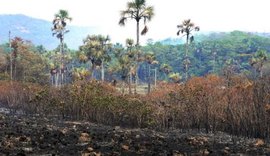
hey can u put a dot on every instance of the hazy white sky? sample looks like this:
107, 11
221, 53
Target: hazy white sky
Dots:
210, 15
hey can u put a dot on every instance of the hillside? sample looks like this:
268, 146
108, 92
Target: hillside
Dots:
39, 31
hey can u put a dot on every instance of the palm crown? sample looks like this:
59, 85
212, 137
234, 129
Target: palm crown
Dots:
186, 28
59, 24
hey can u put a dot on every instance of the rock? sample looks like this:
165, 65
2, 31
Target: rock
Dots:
225, 152
204, 152
27, 149
117, 127
259, 142
227, 148
90, 149
91, 154
125, 147
177, 153
84, 137
23, 139
195, 141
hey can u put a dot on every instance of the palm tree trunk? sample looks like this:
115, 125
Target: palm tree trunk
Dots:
15, 69
10, 56
138, 34
102, 71
57, 79
11, 67
155, 77
149, 83
186, 55
137, 48
92, 70
129, 82
62, 57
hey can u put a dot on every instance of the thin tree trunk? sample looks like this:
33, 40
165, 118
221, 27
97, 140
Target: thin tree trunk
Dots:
130, 82
57, 79
186, 58
52, 79
138, 34
92, 70
123, 87
137, 64
102, 71
15, 69
62, 57
149, 83
11, 63
261, 71
155, 77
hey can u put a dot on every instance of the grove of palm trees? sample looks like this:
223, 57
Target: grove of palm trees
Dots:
208, 94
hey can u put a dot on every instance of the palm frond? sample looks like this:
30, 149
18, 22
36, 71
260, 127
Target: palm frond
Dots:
131, 5
54, 20
180, 26
59, 35
63, 23
140, 3
191, 25
122, 21
178, 33
145, 30
191, 39
69, 18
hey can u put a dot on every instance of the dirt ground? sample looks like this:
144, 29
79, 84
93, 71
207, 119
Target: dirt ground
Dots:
38, 136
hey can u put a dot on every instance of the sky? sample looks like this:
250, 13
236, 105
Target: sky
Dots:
210, 15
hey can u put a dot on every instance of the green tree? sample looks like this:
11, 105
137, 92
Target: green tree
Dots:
59, 30
166, 69
175, 77
186, 28
258, 60
27, 65
96, 48
150, 59
124, 63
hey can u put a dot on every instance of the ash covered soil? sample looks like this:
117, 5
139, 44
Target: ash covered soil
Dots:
25, 135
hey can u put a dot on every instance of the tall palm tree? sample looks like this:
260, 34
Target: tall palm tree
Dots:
59, 30
137, 10
186, 28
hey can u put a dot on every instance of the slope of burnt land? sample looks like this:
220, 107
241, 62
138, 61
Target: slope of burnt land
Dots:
33, 135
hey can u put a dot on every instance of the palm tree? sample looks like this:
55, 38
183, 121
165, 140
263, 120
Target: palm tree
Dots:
166, 69
175, 77
150, 59
59, 29
96, 48
138, 11
186, 28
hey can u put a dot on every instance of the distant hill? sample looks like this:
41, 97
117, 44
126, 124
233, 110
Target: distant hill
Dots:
182, 40
208, 36
39, 31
